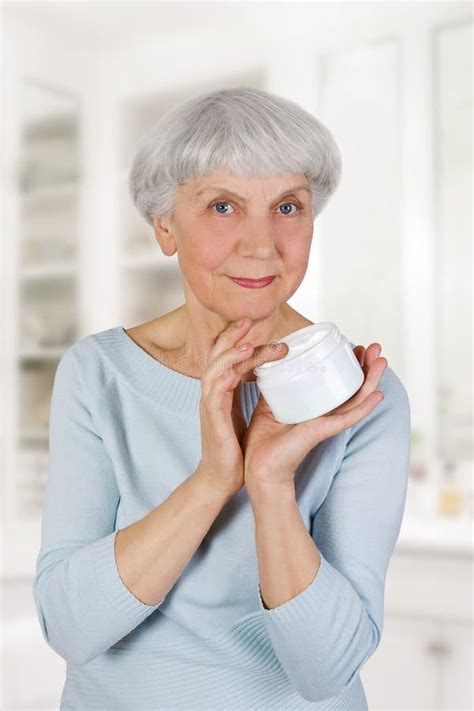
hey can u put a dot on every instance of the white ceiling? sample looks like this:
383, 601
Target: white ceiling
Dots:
107, 25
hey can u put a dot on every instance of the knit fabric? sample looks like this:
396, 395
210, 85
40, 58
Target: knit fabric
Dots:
124, 432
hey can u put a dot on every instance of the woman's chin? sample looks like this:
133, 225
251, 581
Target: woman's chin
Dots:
256, 312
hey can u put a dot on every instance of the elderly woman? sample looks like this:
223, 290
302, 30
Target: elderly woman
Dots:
196, 553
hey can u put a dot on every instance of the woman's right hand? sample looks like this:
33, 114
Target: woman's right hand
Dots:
222, 422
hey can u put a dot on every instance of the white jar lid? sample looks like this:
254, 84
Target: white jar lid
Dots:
320, 338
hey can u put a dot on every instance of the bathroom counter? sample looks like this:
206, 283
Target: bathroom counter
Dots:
437, 535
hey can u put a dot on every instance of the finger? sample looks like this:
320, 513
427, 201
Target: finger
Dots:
373, 376
373, 360
230, 336
330, 425
222, 397
216, 404
262, 354
365, 356
356, 413
359, 352
224, 362
372, 352
244, 361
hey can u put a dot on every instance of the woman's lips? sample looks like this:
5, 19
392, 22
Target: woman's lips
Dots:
253, 283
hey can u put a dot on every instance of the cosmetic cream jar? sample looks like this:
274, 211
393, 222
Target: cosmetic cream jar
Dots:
319, 372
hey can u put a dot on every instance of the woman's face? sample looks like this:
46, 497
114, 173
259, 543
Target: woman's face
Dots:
227, 226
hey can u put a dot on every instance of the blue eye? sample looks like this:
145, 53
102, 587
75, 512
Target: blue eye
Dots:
221, 202
289, 203
224, 202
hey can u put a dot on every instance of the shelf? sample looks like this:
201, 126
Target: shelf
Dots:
29, 434
46, 271
60, 189
149, 260
43, 353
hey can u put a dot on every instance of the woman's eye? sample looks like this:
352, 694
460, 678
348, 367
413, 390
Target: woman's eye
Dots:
221, 202
285, 204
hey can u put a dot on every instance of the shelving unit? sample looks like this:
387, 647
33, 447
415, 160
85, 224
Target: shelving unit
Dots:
48, 188
151, 281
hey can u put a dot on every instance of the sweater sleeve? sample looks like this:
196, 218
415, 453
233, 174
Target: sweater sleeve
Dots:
325, 634
82, 604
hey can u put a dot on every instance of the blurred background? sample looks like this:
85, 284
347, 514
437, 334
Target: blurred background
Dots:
391, 262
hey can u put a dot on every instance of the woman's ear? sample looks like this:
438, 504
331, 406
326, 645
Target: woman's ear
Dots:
164, 236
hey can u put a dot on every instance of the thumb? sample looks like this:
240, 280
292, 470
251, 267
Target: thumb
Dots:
262, 407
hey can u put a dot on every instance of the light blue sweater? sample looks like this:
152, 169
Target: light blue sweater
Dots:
124, 433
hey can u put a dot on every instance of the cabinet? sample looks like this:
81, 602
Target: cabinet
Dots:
424, 660
425, 657
421, 664
403, 673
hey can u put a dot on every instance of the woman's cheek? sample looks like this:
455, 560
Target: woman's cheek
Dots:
212, 256
207, 257
296, 255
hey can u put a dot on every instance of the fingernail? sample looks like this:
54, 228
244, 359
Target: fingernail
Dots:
239, 323
276, 346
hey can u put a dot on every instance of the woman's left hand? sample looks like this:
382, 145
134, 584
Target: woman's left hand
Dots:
272, 450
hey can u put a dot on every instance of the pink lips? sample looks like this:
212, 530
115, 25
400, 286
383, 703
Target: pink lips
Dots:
253, 283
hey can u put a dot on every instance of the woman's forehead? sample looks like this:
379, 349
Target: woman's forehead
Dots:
244, 187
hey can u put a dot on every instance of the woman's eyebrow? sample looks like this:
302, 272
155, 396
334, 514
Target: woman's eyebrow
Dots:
212, 188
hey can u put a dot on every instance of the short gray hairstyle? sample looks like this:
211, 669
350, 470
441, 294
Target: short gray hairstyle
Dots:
243, 130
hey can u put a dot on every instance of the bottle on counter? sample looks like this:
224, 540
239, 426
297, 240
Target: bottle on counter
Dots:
421, 495
450, 498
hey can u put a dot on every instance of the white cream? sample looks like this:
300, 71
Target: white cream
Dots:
319, 373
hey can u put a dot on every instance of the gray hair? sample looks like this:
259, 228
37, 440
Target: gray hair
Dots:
246, 131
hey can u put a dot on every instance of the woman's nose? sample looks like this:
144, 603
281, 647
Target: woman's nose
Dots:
258, 237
